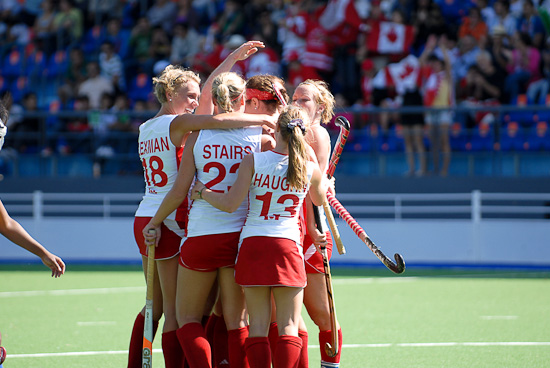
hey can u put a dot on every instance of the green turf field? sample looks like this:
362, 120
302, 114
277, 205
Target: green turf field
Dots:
423, 318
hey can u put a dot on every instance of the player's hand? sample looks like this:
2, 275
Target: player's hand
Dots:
54, 263
247, 49
196, 190
149, 237
331, 184
319, 239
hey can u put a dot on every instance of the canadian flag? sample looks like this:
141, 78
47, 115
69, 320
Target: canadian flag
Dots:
404, 76
390, 38
338, 13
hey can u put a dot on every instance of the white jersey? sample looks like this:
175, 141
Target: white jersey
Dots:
160, 160
218, 154
274, 207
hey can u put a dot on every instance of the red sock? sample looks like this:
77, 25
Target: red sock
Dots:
235, 343
171, 349
209, 330
324, 337
288, 351
304, 359
273, 336
195, 346
220, 350
136, 341
257, 352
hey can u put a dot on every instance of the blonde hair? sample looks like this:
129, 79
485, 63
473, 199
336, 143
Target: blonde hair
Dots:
323, 97
293, 122
227, 90
172, 78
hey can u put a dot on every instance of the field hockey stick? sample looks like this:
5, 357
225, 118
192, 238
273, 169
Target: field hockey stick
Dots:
330, 349
344, 125
397, 267
147, 349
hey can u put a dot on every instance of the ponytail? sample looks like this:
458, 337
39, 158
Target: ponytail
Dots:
292, 123
227, 91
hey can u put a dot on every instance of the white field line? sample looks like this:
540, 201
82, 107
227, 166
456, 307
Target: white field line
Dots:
95, 291
97, 323
502, 318
345, 346
135, 289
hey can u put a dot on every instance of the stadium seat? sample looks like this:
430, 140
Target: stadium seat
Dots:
141, 87
58, 64
3, 84
482, 138
538, 137
93, 39
12, 66
524, 118
393, 141
512, 138
35, 64
19, 88
458, 137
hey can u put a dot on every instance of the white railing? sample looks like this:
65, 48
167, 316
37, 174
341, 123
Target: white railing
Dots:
475, 205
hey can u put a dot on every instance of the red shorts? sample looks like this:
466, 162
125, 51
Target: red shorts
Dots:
169, 244
313, 259
209, 252
268, 261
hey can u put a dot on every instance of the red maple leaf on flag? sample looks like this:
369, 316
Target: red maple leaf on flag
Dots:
392, 35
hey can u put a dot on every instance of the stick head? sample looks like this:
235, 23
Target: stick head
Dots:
278, 95
342, 122
331, 352
400, 264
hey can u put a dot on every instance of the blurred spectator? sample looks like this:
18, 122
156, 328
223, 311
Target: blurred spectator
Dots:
76, 141
264, 62
68, 24
531, 23
43, 28
438, 93
95, 85
290, 30
118, 36
368, 71
502, 18
427, 20
454, 10
28, 125
184, 45
162, 14
111, 66
484, 80
140, 40
161, 47
523, 65
474, 26
232, 19
187, 15
76, 71
100, 10
466, 57
538, 90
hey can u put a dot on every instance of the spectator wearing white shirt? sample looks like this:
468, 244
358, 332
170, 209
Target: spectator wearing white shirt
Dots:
95, 85
111, 65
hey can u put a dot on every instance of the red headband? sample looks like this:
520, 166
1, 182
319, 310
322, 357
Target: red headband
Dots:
260, 95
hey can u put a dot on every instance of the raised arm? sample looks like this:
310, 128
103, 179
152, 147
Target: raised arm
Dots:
186, 122
12, 230
177, 193
242, 53
230, 200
